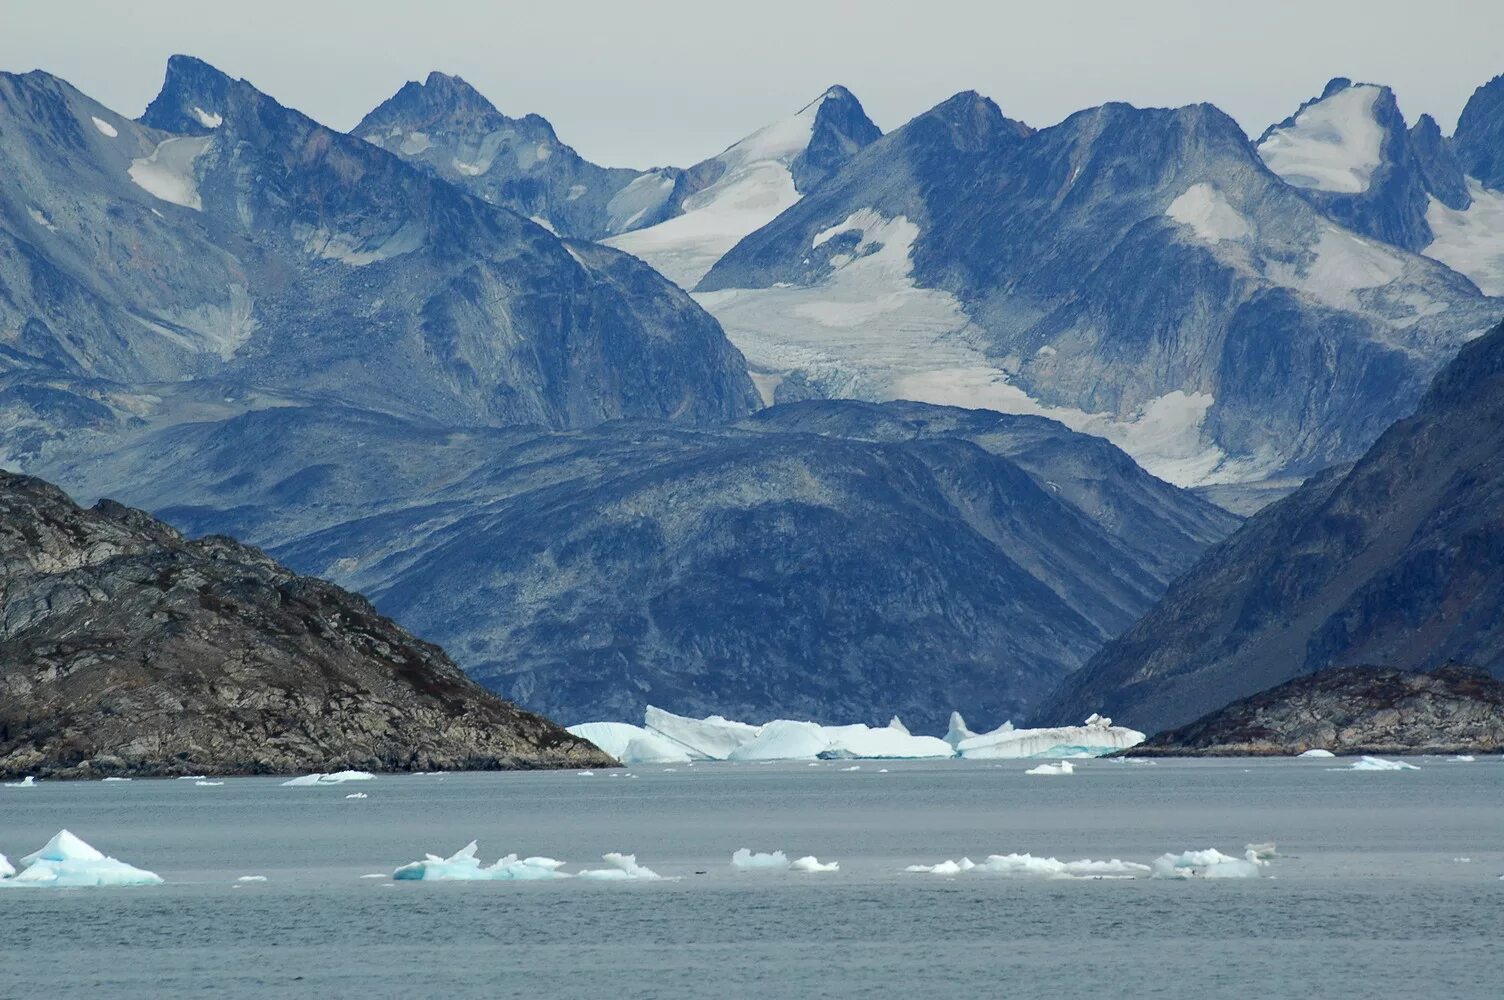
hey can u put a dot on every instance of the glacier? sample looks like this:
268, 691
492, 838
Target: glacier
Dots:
66, 861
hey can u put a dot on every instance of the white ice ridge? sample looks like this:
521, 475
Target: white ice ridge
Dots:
27, 782
1063, 767
168, 172
1097, 736
1028, 866
1316, 752
463, 865
67, 862
1376, 764
1210, 863
337, 778
1332, 145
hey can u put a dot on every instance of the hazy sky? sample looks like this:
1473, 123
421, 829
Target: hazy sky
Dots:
671, 81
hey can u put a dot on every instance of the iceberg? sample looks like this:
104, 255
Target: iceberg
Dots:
251, 878
337, 778
623, 867
1376, 764
208, 784
1316, 752
1028, 866
27, 782
1259, 852
114, 779
6, 868
957, 732
812, 864
357, 795
1095, 737
711, 738
630, 744
1063, 767
464, 866
67, 862
786, 739
1209, 863
745, 858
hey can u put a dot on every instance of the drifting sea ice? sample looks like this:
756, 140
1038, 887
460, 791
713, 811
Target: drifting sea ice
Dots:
1097, 736
463, 865
1063, 767
1209, 863
745, 858
623, 867
337, 778
251, 878
1316, 752
1376, 764
812, 864
27, 782
208, 784
357, 795
67, 862
1028, 866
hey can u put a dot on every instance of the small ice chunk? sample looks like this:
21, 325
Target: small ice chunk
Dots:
463, 865
65, 861
192, 777
1316, 752
114, 779
1209, 863
337, 778
251, 878
1063, 767
105, 128
745, 858
1260, 852
375, 875
853, 767
584, 774
357, 795
27, 782
1462, 758
944, 867
812, 864
623, 867
1377, 764
208, 784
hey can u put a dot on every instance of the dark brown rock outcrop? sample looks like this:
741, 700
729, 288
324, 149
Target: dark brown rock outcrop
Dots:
1350, 710
127, 649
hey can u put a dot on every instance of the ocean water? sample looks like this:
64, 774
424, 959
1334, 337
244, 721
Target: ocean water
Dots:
1366, 900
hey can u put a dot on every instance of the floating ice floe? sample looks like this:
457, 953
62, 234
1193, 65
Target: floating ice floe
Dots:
746, 858
1063, 767
711, 738
67, 862
1028, 866
623, 867
27, 782
251, 878
584, 774
630, 744
1209, 863
114, 779
192, 777
1462, 758
337, 778
463, 865
357, 795
1096, 737
1376, 764
208, 784
1259, 852
1316, 752
812, 864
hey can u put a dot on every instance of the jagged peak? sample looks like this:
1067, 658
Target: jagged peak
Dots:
193, 99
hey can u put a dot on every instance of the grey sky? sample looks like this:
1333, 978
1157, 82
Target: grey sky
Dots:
672, 81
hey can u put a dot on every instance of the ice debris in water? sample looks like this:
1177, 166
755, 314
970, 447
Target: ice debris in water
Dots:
208, 784
812, 864
1063, 767
251, 878
357, 795
337, 778
1261, 852
1462, 758
584, 774
1376, 764
1028, 866
463, 865
67, 862
745, 858
623, 867
27, 782
853, 767
1209, 863
114, 779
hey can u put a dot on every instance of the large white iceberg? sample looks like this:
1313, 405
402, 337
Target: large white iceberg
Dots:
711, 738
786, 739
337, 778
630, 744
1097, 736
1028, 866
1210, 863
6, 868
813, 864
623, 867
463, 865
67, 862
746, 858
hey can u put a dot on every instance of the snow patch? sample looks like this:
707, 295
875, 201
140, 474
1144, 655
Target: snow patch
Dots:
1204, 208
167, 174
1332, 145
105, 128
41, 219
207, 119
414, 143
359, 251
1471, 241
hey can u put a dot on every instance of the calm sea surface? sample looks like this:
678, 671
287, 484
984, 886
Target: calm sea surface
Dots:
1367, 900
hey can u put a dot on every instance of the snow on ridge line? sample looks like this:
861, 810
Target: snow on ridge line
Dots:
1333, 145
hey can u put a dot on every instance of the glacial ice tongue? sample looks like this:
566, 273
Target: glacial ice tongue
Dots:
745, 858
1210, 863
623, 867
65, 861
630, 744
1097, 736
337, 778
463, 865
